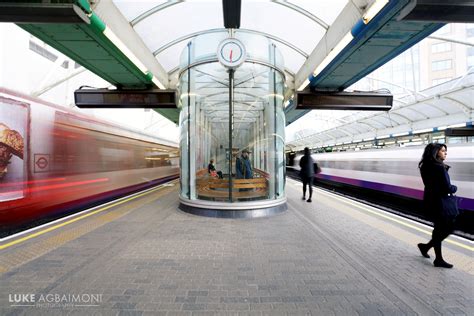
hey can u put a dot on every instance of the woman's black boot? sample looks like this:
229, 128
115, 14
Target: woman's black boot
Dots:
424, 250
439, 261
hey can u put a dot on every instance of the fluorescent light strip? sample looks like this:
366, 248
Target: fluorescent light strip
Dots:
400, 134
333, 53
426, 130
278, 96
124, 49
158, 83
367, 17
457, 125
130, 55
303, 85
374, 10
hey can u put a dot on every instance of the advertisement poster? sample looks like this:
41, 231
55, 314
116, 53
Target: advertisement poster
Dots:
13, 131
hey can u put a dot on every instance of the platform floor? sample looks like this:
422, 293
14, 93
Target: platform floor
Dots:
145, 257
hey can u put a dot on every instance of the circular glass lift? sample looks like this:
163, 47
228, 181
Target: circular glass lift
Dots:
233, 116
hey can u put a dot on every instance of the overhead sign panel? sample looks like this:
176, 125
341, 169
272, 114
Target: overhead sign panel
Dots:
41, 12
453, 11
460, 132
356, 101
103, 98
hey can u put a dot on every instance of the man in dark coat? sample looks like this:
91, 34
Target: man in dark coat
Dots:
307, 173
243, 166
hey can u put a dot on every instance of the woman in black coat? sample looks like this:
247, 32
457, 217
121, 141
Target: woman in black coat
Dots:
307, 173
437, 185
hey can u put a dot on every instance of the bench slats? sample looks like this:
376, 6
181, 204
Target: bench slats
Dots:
237, 185
210, 187
225, 194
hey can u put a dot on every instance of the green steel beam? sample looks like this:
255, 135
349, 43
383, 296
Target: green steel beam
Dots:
83, 41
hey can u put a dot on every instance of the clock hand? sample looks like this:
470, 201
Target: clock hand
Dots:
231, 55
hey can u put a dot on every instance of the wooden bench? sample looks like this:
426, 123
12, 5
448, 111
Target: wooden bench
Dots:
218, 189
261, 173
201, 173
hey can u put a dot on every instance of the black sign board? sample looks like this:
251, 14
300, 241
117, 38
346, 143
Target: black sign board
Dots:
356, 101
459, 132
103, 98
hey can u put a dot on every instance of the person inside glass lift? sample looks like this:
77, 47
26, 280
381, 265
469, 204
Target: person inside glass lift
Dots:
243, 166
211, 169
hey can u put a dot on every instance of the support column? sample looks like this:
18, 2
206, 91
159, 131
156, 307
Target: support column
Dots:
231, 127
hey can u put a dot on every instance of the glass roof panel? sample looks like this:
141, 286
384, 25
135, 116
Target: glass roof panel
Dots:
167, 58
325, 10
281, 20
179, 20
132, 9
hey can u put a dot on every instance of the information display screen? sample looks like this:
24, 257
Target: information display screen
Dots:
344, 101
102, 98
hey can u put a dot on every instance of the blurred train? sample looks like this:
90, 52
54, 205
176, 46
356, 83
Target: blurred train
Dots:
54, 161
391, 176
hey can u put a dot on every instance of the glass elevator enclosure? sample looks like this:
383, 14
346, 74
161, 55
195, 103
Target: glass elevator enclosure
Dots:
234, 118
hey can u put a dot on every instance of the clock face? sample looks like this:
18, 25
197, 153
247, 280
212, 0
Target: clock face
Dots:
231, 53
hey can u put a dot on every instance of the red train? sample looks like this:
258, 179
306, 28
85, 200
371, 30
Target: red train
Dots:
54, 161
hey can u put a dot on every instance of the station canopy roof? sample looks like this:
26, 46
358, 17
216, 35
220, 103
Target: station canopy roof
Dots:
436, 108
296, 28
166, 27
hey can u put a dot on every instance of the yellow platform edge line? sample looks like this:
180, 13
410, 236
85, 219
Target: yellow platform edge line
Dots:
44, 231
361, 207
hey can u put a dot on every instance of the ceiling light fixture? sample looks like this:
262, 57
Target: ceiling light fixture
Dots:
333, 53
374, 10
366, 18
130, 55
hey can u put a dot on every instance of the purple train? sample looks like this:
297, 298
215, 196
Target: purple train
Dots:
395, 171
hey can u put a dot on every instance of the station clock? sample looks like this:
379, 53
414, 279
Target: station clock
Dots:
231, 53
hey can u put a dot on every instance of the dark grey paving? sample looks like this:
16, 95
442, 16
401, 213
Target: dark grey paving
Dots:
310, 260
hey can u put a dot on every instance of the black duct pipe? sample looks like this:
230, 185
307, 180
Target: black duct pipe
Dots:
231, 10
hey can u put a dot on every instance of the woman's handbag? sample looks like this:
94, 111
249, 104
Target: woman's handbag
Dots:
450, 206
318, 168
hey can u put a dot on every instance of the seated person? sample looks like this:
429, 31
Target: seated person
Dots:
212, 170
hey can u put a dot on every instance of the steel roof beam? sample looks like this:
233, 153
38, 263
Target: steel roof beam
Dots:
405, 119
267, 35
459, 104
154, 10
302, 11
115, 20
452, 40
411, 91
339, 28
